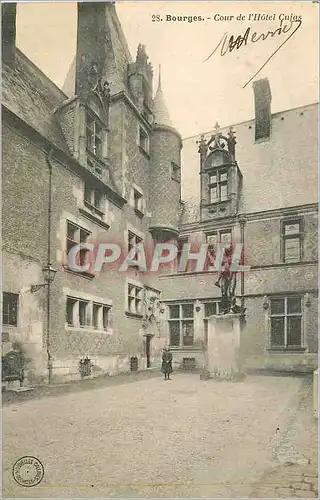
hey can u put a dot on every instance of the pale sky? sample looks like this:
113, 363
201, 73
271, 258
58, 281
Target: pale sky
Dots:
197, 93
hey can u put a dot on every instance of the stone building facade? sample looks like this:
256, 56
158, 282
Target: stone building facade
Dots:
101, 162
265, 198
78, 168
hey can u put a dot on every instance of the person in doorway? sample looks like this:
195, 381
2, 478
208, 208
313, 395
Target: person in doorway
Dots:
166, 367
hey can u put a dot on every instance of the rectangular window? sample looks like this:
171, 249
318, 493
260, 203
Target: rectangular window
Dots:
95, 169
105, 317
211, 309
10, 309
219, 236
292, 241
94, 136
137, 201
181, 325
143, 140
96, 308
133, 240
175, 172
75, 236
100, 316
86, 314
135, 296
84, 318
94, 199
174, 331
218, 186
286, 322
71, 314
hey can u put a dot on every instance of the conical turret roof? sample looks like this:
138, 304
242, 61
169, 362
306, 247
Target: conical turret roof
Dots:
160, 111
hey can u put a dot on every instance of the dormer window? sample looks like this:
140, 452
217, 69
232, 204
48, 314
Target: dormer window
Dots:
94, 134
218, 186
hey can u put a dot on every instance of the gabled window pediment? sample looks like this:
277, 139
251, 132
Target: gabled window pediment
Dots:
218, 158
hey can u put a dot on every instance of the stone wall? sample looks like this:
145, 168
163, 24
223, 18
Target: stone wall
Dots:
25, 224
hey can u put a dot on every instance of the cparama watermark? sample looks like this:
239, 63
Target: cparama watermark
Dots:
90, 257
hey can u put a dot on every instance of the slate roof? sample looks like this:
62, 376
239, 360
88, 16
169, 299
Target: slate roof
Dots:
160, 111
33, 97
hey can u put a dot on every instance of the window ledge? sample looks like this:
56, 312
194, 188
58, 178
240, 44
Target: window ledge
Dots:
215, 203
96, 158
265, 138
186, 348
93, 218
87, 330
94, 208
133, 315
145, 153
83, 274
286, 349
138, 213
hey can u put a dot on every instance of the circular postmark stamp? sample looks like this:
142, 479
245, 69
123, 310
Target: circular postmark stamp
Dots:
28, 471
309, 275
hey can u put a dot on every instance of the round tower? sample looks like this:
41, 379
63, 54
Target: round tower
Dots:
165, 173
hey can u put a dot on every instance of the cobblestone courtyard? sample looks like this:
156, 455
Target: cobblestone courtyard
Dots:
181, 438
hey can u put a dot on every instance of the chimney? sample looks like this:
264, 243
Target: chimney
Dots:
262, 104
8, 14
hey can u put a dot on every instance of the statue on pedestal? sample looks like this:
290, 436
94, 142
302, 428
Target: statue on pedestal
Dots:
227, 282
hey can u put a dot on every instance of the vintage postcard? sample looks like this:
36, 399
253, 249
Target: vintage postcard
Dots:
159, 249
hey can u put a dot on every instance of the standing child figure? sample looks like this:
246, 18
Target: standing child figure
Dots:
166, 367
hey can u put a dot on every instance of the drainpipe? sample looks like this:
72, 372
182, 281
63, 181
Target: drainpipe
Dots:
49, 157
242, 222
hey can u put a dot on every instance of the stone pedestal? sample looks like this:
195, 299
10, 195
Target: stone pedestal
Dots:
223, 351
